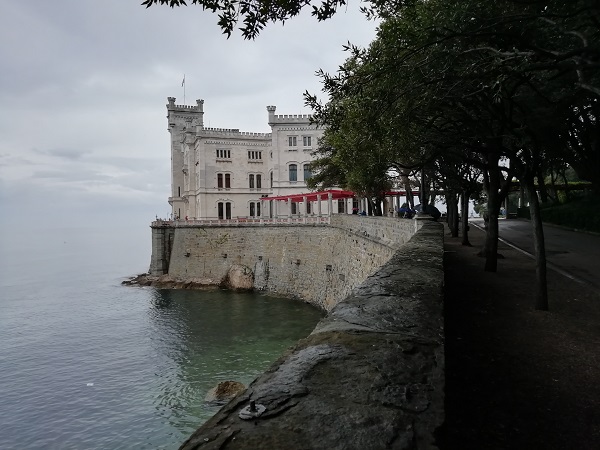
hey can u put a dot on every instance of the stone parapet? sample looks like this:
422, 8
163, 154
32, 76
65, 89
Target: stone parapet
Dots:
370, 376
391, 232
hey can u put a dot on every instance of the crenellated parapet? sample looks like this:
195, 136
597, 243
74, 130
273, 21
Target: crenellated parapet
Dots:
179, 114
230, 133
293, 117
287, 119
198, 107
222, 130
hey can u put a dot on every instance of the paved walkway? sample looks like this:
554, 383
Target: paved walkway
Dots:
574, 254
517, 378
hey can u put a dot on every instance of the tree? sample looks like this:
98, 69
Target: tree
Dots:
463, 79
255, 14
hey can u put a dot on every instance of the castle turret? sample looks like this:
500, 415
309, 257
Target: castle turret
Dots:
271, 110
200, 116
182, 119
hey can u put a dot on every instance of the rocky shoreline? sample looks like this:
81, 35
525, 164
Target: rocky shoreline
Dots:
238, 278
168, 282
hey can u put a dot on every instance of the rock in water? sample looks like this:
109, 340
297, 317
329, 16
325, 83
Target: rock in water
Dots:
224, 391
239, 277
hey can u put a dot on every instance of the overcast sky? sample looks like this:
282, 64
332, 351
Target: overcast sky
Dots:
83, 88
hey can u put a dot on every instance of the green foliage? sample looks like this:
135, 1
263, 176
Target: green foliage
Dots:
255, 14
455, 84
583, 213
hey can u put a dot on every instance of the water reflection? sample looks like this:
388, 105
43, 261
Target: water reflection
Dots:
200, 338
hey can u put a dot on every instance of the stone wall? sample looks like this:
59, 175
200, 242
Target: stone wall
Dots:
320, 264
162, 243
370, 376
387, 231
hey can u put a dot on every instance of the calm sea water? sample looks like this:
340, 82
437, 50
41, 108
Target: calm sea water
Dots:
86, 363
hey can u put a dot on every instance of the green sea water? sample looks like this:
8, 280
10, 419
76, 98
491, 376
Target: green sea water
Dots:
86, 363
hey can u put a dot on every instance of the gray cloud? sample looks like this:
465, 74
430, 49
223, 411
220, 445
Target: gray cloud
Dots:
83, 89
68, 153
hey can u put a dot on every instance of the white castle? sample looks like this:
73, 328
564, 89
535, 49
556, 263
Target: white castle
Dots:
220, 173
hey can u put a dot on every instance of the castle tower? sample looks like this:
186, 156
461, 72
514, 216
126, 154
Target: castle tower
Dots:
180, 118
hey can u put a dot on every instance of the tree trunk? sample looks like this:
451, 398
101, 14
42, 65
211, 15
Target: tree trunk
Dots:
541, 294
464, 211
377, 207
491, 236
542, 186
409, 195
566, 183
490, 250
452, 214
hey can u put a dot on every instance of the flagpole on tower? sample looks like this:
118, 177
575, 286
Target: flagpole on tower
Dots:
183, 85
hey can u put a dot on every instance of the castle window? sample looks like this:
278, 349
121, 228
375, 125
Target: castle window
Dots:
254, 209
271, 175
307, 172
294, 208
258, 181
254, 155
306, 141
251, 181
292, 141
293, 169
224, 210
223, 180
223, 154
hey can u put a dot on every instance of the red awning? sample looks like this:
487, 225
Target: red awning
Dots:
312, 196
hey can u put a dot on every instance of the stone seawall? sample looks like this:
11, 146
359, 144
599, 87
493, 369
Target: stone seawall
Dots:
370, 376
320, 264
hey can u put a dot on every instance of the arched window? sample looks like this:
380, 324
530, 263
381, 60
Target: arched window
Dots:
254, 209
226, 177
251, 181
224, 210
307, 172
258, 181
293, 172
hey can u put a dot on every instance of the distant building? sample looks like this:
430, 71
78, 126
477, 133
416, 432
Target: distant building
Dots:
221, 173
